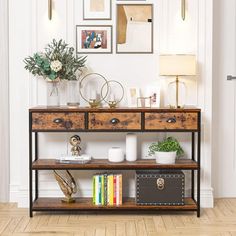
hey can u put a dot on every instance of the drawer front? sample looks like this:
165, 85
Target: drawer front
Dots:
58, 121
171, 121
112, 121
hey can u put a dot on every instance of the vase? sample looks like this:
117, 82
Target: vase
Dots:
53, 94
73, 93
131, 147
116, 154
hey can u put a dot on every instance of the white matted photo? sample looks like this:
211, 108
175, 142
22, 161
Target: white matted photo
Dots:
154, 93
93, 39
97, 10
133, 93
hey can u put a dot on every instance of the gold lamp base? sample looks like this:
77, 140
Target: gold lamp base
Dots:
179, 89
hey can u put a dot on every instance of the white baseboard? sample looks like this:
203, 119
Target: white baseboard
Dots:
21, 195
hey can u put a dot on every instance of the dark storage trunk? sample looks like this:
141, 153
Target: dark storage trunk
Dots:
160, 188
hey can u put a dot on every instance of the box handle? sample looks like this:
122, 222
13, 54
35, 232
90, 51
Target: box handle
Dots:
160, 183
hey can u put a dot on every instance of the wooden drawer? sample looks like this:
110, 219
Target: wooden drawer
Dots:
58, 121
111, 121
171, 121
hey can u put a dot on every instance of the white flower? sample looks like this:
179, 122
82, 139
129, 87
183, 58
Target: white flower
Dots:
56, 65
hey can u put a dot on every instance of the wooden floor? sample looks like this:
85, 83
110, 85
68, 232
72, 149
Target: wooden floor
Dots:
218, 221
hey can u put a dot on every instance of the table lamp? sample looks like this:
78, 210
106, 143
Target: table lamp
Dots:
177, 65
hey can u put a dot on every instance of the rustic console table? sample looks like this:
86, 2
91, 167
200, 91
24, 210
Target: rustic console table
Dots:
63, 119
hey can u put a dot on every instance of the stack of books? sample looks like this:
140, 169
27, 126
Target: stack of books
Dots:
107, 189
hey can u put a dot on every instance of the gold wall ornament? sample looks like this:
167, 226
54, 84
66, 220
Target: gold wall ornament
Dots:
75, 141
183, 9
67, 184
50, 9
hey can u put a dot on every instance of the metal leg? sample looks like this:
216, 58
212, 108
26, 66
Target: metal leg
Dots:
36, 171
30, 166
192, 171
199, 167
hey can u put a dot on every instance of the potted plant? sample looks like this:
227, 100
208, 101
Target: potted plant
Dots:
57, 63
166, 151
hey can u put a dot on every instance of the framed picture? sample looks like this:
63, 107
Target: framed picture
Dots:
97, 10
154, 93
132, 96
134, 30
93, 39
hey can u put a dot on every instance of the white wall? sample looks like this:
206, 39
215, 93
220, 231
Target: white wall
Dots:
4, 104
30, 30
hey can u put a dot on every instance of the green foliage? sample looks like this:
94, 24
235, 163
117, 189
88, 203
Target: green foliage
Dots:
40, 63
169, 144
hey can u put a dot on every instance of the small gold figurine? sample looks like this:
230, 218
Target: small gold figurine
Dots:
75, 142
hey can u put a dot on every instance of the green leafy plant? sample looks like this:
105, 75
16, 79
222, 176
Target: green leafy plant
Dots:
169, 144
57, 62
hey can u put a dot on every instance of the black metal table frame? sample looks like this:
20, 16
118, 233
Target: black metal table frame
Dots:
193, 132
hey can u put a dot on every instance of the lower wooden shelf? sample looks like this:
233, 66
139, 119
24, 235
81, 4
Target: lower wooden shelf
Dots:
55, 204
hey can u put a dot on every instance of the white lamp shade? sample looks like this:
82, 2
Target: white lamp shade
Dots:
173, 65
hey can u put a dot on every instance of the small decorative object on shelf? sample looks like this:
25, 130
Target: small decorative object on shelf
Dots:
166, 151
144, 102
76, 157
132, 94
57, 63
116, 154
75, 142
67, 184
131, 147
73, 94
89, 89
154, 92
112, 100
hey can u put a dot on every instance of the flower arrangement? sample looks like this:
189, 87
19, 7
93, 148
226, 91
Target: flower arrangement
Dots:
58, 62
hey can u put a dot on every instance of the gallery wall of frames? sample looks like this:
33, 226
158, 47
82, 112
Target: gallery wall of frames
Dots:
128, 55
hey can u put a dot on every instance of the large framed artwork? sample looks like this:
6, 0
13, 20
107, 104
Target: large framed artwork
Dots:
134, 30
93, 39
97, 10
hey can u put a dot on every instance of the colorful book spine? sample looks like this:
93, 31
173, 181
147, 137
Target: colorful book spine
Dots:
102, 190
120, 190
110, 190
114, 189
94, 187
117, 190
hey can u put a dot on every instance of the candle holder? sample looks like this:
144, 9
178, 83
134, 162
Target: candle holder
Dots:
93, 101
112, 103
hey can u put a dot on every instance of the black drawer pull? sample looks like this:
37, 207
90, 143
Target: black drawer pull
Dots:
171, 120
58, 120
68, 124
114, 121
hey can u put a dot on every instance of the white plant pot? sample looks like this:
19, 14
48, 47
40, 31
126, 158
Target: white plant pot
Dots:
165, 157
